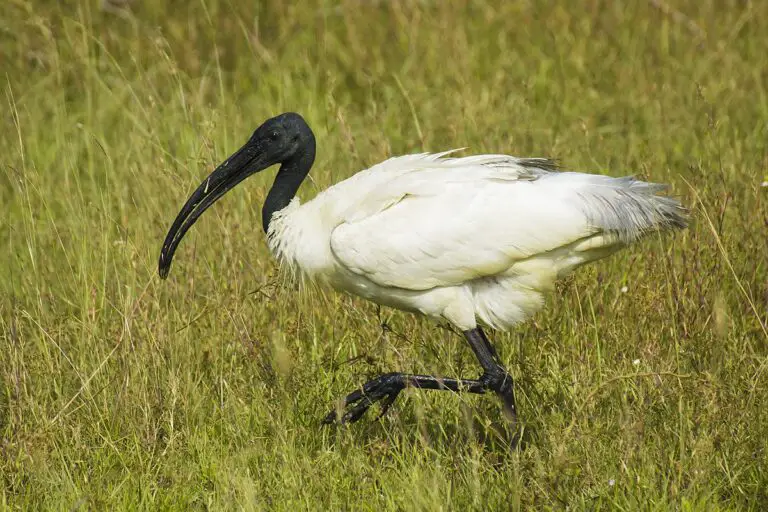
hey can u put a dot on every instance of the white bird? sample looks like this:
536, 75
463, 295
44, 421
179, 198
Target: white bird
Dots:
473, 240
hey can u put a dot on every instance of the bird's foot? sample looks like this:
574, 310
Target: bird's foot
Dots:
500, 381
384, 389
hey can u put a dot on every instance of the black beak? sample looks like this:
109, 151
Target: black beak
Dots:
246, 161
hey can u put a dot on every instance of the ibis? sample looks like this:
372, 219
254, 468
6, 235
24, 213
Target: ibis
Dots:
476, 241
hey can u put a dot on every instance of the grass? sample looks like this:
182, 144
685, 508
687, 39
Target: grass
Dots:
643, 385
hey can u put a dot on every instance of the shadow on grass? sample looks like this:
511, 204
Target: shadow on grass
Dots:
441, 432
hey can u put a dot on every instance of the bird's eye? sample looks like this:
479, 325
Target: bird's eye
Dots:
274, 136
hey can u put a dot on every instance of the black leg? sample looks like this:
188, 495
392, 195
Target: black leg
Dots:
387, 387
495, 376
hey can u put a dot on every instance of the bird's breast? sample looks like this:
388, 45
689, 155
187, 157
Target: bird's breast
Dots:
299, 238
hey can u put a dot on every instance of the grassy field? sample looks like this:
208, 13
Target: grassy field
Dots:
642, 386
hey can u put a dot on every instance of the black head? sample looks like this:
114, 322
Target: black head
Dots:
280, 138
285, 139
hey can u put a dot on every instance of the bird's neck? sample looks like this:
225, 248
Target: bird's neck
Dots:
287, 182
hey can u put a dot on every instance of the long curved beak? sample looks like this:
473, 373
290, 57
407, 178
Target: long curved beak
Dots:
246, 161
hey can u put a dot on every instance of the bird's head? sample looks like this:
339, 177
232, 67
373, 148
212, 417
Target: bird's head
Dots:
285, 139
279, 139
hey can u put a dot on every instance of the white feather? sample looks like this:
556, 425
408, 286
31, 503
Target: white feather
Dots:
480, 237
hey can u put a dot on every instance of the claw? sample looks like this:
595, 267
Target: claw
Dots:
331, 417
386, 403
357, 411
385, 389
359, 405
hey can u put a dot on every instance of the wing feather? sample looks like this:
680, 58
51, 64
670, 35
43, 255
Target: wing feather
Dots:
445, 221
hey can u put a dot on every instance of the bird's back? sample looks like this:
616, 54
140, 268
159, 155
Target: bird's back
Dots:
496, 229
458, 219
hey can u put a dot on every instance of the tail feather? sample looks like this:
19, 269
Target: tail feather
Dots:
630, 208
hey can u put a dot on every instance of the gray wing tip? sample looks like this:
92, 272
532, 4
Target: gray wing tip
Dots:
546, 164
633, 211
675, 215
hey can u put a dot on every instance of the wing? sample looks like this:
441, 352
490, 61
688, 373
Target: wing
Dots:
427, 174
442, 221
445, 226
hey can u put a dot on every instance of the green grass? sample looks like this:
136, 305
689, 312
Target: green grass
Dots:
118, 390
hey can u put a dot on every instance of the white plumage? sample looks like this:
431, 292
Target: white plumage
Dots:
464, 239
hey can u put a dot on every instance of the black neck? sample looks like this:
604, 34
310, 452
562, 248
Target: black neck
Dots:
287, 182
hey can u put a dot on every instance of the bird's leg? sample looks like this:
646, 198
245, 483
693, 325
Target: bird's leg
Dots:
387, 387
495, 376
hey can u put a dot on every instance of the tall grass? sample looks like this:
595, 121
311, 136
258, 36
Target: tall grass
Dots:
643, 385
